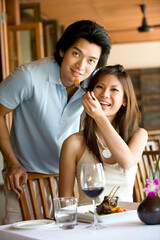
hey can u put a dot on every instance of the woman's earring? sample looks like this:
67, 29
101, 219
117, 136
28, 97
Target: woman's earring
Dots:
61, 53
124, 103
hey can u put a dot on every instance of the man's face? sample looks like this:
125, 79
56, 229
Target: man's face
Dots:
79, 61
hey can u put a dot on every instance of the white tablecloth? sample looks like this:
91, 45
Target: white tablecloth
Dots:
119, 227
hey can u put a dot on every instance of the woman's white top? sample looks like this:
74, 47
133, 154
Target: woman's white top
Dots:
114, 176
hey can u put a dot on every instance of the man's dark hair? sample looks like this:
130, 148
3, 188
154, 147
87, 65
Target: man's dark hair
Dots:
88, 30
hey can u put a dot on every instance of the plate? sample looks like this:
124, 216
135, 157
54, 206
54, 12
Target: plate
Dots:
83, 216
33, 224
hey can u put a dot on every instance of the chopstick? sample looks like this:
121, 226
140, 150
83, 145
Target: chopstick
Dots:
77, 84
109, 197
114, 193
110, 193
83, 89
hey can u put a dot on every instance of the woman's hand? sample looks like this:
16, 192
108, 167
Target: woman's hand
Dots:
92, 106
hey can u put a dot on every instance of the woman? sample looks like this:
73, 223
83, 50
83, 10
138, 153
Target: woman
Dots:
111, 135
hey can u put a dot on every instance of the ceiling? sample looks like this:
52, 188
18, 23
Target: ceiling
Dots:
120, 18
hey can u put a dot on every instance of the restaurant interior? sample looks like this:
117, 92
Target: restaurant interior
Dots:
29, 30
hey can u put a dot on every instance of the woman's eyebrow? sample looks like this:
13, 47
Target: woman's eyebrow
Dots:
114, 85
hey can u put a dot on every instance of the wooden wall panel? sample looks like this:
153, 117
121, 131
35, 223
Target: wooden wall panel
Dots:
147, 87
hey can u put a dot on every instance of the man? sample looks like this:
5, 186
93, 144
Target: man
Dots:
46, 103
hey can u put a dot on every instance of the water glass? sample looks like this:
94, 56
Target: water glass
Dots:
65, 212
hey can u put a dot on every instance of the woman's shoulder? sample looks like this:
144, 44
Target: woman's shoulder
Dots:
75, 144
142, 131
75, 140
140, 135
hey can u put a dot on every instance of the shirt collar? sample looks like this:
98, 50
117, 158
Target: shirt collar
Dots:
54, 72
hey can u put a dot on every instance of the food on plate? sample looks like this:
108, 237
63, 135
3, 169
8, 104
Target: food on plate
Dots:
109, 204
118, 209
108, 207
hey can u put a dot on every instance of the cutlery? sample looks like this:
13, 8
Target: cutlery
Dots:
77, 83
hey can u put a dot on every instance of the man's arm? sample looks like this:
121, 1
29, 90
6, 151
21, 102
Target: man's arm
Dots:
16, 175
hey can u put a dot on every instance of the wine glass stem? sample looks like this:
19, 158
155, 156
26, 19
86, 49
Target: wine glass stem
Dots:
95, 214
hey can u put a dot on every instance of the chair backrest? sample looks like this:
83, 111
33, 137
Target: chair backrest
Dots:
153, 140
36, 201
146, 168
152, 145
154, 134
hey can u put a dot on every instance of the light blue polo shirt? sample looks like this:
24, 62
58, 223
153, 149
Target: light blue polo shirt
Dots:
42, 117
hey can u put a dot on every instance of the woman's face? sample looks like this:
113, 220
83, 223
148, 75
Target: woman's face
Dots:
110, 94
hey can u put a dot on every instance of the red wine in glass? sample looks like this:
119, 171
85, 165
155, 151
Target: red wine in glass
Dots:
93, 192
92, 184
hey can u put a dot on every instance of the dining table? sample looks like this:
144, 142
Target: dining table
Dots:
117, 226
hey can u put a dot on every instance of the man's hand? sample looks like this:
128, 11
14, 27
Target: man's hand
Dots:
15, 178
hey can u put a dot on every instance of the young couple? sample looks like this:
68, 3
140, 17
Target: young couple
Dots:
46, 108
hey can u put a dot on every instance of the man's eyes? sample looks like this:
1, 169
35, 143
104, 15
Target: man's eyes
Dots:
76, 53
92, 61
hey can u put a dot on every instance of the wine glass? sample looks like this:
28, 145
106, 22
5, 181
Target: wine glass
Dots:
92, 184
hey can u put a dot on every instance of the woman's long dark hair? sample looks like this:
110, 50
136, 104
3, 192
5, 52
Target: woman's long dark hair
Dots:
127, 118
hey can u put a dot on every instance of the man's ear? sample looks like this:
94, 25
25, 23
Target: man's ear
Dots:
61, 53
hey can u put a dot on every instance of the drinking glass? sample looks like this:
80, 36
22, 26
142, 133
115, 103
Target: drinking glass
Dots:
92, 184
65, 211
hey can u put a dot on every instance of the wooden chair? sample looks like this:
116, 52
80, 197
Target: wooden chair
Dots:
153, 140
36, 201
146, 167
152, 145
